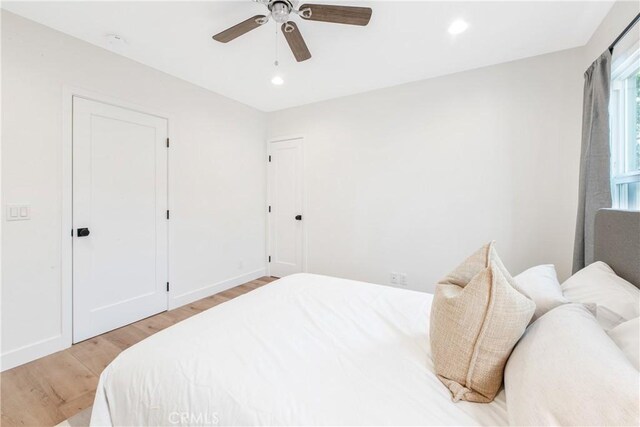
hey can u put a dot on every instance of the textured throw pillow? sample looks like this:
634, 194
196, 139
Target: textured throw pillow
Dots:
477, 317
566, 371
541, 285
616, 299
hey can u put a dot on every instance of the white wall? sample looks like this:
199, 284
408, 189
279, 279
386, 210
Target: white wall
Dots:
620, 15
408, 179
217, 184
416, 177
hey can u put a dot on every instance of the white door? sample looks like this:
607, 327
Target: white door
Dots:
286, 219
119, 217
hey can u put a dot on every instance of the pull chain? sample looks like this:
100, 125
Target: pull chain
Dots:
276, 42
277, 79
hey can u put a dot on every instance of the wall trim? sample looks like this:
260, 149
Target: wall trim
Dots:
206, 291
47, 346
33, 351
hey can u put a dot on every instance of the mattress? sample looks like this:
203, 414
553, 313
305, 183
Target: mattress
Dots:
303, 350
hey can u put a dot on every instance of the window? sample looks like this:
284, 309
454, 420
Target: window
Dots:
625, 131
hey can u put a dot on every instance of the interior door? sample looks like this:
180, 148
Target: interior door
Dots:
119, 217
286, 219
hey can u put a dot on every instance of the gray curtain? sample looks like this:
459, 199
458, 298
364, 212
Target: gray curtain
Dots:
595, 180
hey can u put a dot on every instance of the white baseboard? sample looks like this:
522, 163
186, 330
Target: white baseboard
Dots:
30, 352
45, 347
191, 296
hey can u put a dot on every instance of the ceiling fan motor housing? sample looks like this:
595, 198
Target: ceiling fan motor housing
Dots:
280, 10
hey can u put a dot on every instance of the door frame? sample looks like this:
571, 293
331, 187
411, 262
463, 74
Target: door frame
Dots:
66, 258
305, 210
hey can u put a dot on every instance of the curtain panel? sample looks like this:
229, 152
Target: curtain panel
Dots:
595, 158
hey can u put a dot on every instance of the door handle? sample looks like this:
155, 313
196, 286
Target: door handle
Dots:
298, 217
83, 232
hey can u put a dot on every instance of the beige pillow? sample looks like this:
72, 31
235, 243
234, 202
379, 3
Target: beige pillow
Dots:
477, 317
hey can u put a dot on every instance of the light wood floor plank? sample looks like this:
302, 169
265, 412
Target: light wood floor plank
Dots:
95, 353
33, 394
125, 337
179, 314
233, 292
24, 402
62, 376
207, 303
153, 324
69, 409
49, 390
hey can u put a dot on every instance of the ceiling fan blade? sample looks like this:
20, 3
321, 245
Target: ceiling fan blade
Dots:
338, 14
295, 40
239, 29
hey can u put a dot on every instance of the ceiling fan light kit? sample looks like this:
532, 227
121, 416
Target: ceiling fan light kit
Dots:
280, 11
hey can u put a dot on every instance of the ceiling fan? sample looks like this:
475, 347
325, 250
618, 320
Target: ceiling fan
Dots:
280, 11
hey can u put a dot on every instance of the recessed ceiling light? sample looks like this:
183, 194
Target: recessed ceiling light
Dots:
277, 80
458, 26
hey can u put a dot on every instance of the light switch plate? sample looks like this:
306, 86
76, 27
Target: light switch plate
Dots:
18, 212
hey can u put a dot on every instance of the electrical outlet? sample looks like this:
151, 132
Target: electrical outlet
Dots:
394, 278
402, 279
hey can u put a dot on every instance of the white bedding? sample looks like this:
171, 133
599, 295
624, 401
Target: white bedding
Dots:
304, 350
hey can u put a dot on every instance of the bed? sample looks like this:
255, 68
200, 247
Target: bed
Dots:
304, 350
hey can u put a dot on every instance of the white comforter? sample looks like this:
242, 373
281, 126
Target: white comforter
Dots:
304, 350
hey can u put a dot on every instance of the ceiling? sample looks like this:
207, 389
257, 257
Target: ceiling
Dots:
405, 41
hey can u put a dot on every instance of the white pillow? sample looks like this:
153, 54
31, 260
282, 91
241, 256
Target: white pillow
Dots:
541, 285
616, 299
566, 371
607, 318
627, 337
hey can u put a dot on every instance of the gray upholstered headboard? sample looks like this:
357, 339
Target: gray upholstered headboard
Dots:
617, 242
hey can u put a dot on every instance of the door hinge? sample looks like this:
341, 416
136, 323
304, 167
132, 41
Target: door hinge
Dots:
167, 286
72, 232
269, 159
269, 208
167, 142
167, 213
269, 258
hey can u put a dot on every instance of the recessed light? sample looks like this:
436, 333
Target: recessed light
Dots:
277, 80
458, 26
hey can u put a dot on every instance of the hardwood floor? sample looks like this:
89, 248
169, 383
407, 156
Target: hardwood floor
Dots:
49, 390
